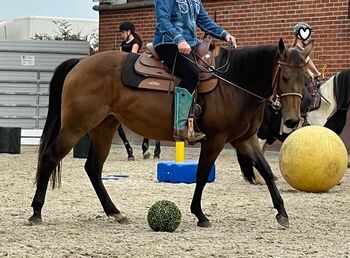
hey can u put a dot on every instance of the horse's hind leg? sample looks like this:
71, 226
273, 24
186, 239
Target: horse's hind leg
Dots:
101, 140
145, 148
248, 171
246, 166
157, 150
251, 149
48, 165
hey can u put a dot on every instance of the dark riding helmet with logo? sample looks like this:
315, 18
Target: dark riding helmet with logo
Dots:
125, 26
301, 26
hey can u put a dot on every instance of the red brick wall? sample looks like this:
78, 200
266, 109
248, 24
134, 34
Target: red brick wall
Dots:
257, 22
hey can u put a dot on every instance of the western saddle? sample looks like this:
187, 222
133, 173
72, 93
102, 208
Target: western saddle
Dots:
159, 77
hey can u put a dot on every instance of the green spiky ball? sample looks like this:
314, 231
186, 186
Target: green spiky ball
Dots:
164, 216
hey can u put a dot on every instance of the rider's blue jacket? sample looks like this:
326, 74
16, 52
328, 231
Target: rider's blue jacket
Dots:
176, 21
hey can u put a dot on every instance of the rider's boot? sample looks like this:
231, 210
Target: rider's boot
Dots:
183, 102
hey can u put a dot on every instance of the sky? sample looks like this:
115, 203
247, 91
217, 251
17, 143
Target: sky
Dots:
58, 8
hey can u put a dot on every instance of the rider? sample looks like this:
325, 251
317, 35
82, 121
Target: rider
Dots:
302, 34
176, 33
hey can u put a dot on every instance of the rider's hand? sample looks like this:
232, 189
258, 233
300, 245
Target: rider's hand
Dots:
232, 39
320, 75
184, 48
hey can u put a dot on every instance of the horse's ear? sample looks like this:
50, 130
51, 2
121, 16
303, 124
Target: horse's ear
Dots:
281, 47
308, 48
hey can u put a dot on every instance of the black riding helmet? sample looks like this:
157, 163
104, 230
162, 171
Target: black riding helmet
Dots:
125, 26
301, 25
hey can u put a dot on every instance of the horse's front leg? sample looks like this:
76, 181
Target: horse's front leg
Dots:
251, 149
210, 150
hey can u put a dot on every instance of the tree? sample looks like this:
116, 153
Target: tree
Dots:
65, 33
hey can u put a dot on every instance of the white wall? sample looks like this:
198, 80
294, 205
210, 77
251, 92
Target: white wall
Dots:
25, 28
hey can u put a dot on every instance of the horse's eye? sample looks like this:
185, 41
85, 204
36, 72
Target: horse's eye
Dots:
285, 79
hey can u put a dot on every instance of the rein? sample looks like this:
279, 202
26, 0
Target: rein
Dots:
215, 71
275, 82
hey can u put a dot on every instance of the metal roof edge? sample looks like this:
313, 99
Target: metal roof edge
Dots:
128, 6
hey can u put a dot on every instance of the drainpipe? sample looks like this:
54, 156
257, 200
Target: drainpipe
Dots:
128, 6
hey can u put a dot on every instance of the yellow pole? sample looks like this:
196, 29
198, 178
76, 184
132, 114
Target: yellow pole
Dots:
180, 151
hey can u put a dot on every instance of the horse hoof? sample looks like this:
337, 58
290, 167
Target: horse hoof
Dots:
34, 220
156, 157
283, 220
131, 158
120, 218
146, 155
204, 224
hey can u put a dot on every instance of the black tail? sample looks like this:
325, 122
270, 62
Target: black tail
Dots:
53, 119
246, 165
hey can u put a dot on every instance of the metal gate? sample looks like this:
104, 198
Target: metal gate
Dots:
26, 68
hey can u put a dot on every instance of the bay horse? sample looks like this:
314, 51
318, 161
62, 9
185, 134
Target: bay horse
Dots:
332, 113
87, 96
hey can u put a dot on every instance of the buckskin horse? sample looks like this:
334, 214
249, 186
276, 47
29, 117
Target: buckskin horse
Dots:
331, 113
87, 95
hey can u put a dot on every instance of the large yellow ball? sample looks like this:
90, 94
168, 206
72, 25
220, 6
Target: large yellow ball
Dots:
313, 159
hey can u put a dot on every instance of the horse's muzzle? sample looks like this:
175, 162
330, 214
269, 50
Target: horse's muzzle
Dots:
292, 123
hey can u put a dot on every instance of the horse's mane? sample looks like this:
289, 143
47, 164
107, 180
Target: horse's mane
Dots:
341, 90
251, 67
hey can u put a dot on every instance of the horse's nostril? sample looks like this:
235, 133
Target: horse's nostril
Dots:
291, 123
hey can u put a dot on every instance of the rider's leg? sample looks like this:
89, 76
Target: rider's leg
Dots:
189, 74
305, 105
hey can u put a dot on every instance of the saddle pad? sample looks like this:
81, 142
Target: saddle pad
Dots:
129, 77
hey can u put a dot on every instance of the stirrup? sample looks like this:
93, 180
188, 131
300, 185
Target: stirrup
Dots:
192, 136
189, 135
183, 136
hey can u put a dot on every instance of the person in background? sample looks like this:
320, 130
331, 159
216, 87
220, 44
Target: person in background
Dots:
132, 42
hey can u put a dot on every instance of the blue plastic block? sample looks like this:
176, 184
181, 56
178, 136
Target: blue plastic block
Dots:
185, 172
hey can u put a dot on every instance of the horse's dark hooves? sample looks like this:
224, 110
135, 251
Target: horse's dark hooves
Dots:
131, 158
283, 220
34, 220
120, 218
156, 156
146, 155
204, 224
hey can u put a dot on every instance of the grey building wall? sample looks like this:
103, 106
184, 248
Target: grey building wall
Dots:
26, 68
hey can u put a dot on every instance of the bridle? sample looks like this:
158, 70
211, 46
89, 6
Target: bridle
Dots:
276, 96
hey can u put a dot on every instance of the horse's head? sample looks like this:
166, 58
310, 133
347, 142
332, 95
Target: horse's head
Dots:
290, 81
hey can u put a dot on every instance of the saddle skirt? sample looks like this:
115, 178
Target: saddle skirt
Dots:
158, 76
314, 90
